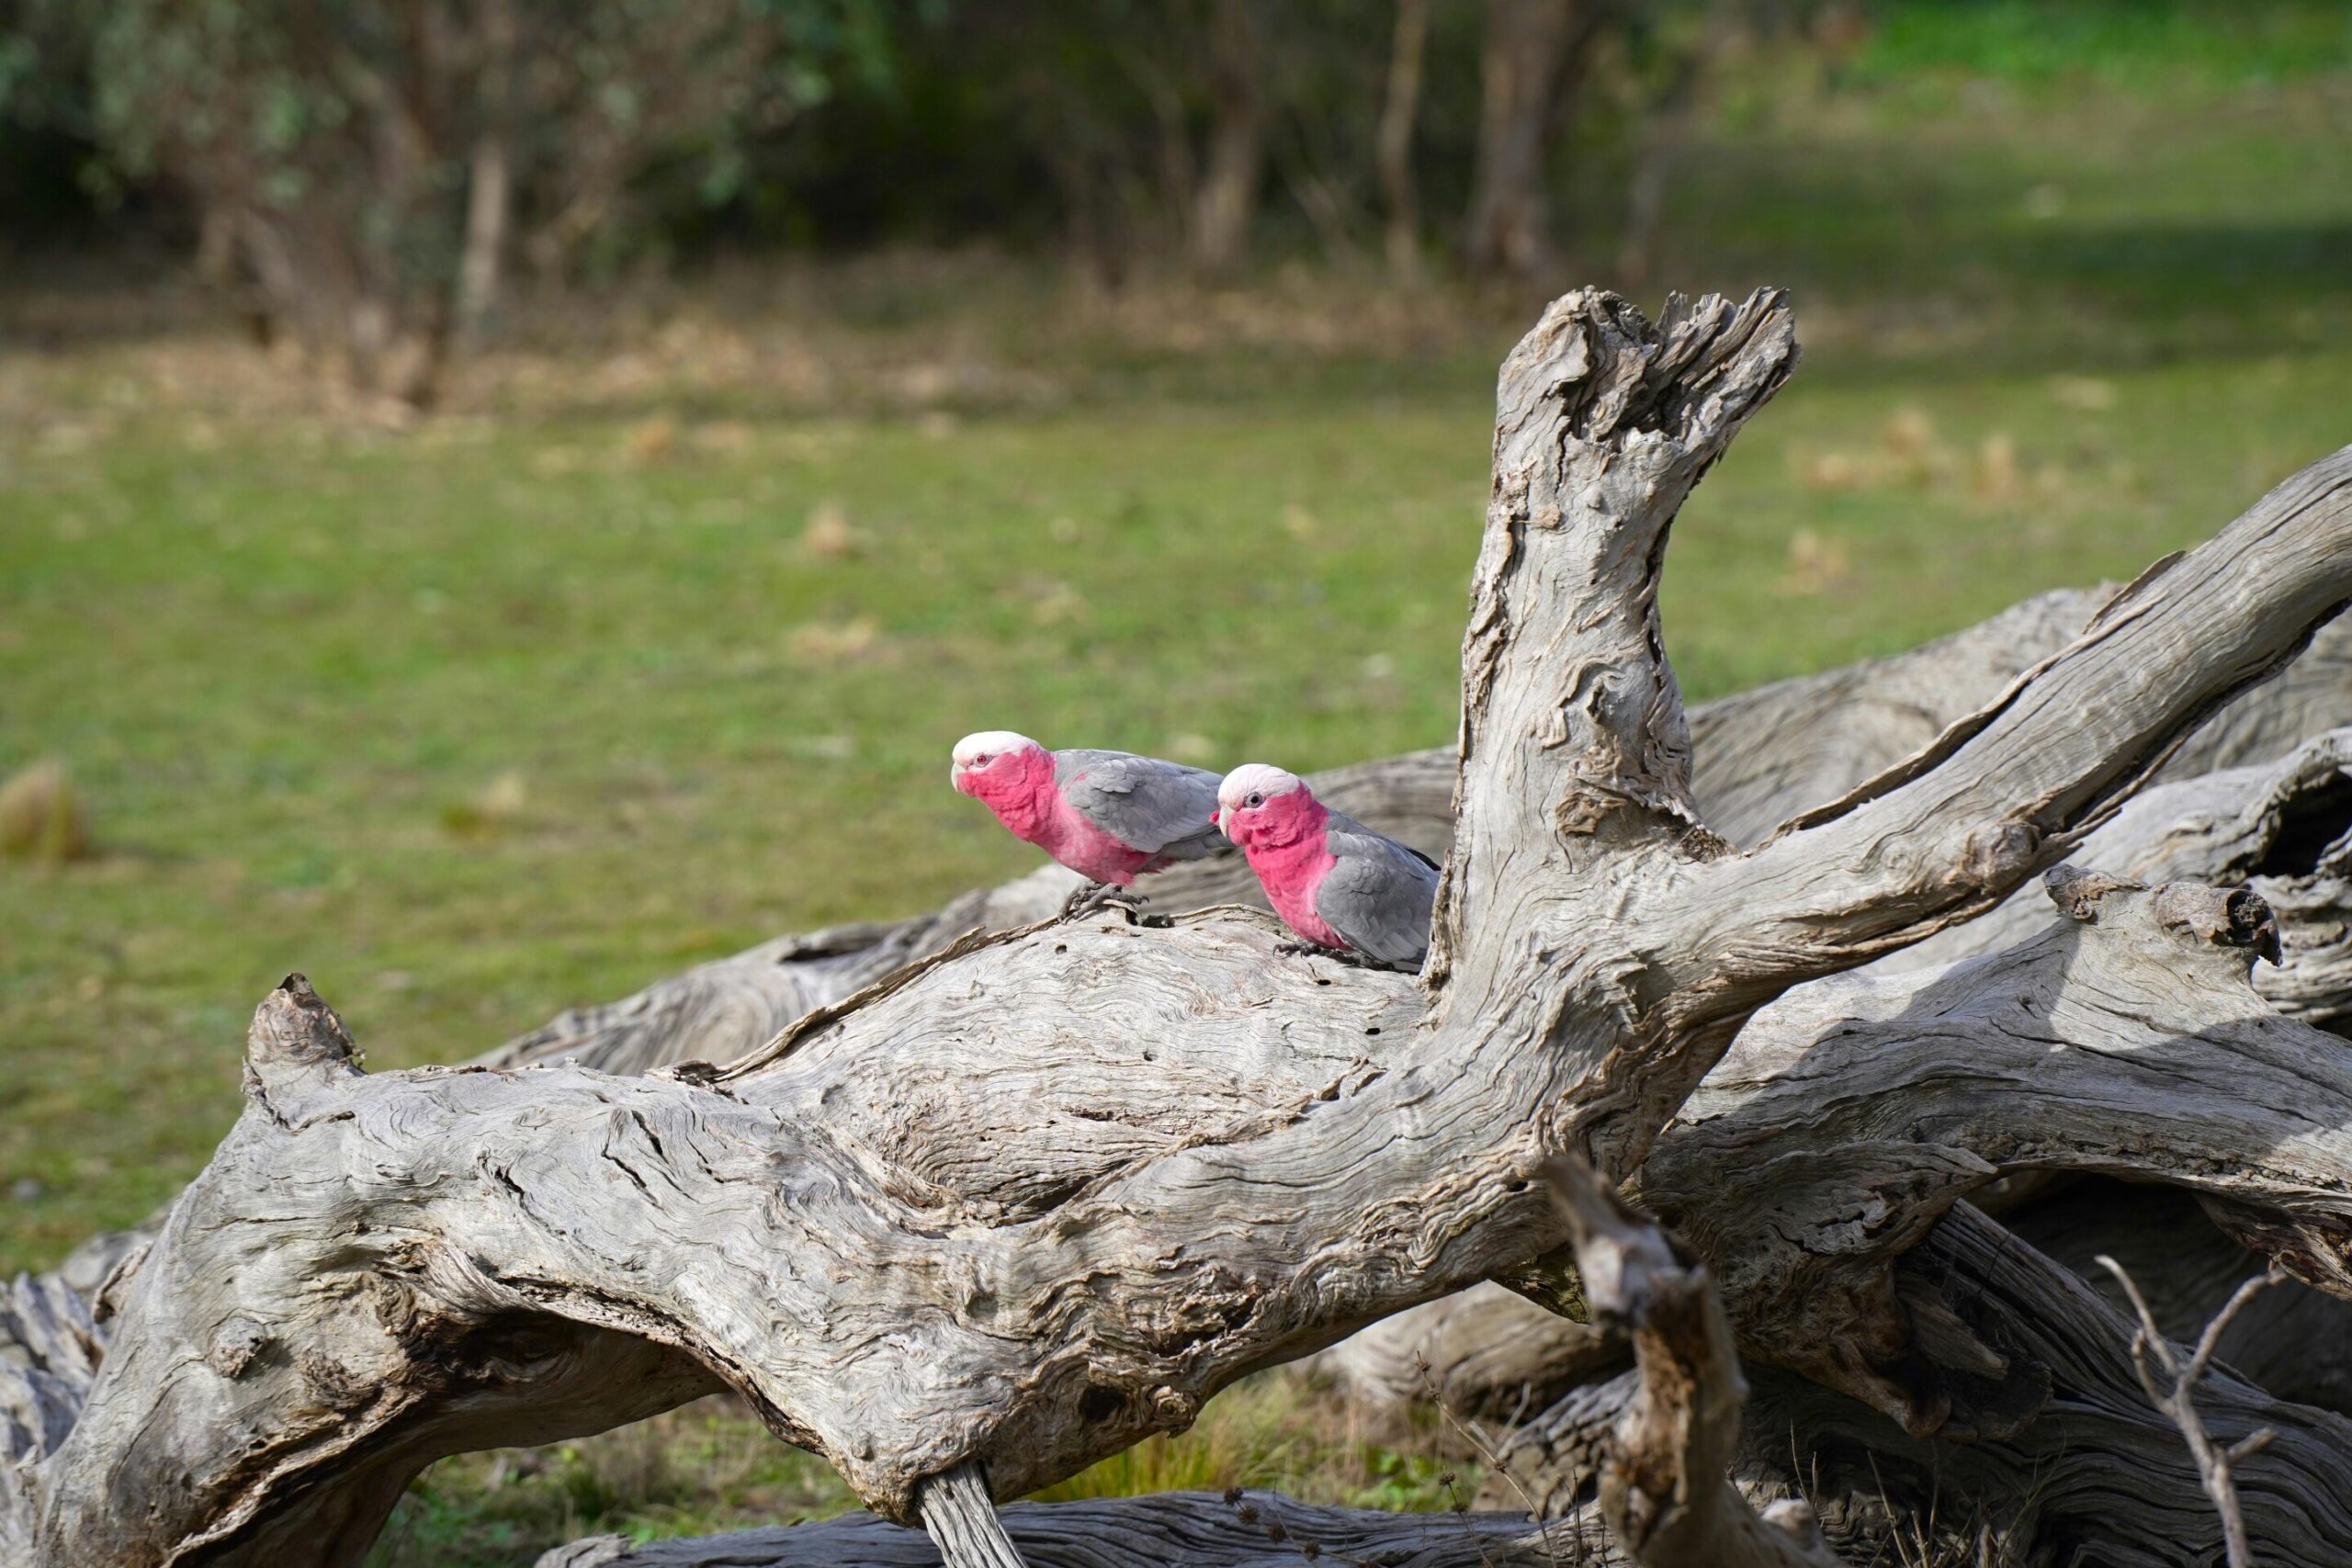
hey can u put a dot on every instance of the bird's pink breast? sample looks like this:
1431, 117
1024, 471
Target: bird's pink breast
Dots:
1031, 806
1086, 849
1288, 851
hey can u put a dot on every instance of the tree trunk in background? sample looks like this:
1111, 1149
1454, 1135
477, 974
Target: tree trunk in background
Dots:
488, 199
489, 186
1528, 46
1227, 196
1664, 126
1393, 149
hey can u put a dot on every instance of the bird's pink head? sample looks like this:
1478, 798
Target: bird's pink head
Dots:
996, 766
1263, 806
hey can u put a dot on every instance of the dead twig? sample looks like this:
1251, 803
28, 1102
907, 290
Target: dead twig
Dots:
2214, 1461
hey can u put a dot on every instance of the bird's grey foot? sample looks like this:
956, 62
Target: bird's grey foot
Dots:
1317, 950
1097, 897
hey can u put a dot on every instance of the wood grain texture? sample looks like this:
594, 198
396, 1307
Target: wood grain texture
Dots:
1664, 1474
1759, 758
2092, 1473
2127, 1042
1197, 1530
2283, 829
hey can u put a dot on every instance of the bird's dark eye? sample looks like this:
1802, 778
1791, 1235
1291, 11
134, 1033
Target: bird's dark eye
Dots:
1255, 800
982, 761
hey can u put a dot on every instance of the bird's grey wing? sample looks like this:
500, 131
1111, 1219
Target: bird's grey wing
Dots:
1377, 894
1143, 802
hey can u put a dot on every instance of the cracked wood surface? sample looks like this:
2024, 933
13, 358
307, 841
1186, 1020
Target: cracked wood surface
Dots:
2125, 1042
1197, 1530
1035, 1270
2282, 828
2090, 1471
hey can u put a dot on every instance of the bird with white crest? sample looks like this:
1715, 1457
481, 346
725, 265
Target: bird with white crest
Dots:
1334, 881
1109, 815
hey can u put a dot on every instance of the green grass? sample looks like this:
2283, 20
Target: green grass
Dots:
712, 1467
533, 703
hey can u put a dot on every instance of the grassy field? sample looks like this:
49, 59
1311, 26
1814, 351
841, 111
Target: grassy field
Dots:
654, 645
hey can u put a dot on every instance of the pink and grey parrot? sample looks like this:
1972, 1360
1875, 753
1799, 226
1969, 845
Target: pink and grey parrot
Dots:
1109, 815
1333, 880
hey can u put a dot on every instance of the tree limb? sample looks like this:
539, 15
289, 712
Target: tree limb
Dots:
2178, 1401
2096, 1466
1849, 1117
1663, 1486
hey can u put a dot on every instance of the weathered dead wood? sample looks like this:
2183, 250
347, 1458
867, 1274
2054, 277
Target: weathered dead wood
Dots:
960, 1517
2176, 1395
1849, 1117
1664, 1480
2291, 1339
1759, 758
1031, 1200
1664, 1494
1197, 1529
1485, 1352
2094, 1473
2283, 829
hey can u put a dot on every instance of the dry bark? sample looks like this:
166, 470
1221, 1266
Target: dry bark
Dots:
1759, 758
1664, 1480
1198, 1529
2092, 1473
2294, 1340
1848, 1119
937, 1226
2177, 1397
1665, 1498
2284, 830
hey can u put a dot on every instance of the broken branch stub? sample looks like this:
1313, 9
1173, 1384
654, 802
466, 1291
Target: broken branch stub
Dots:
1665, 1478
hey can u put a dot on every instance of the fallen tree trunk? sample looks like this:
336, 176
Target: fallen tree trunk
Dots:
2126, 1043
1197, 1530
2094, 1473
2283, 829
1037, 1196
1664, 1500
1759, 758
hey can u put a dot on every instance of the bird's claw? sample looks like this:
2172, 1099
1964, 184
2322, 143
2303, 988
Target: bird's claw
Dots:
1097, 897
1317, 950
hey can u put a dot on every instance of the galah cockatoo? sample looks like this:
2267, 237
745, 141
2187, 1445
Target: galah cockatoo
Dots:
1109, 815
1333, 880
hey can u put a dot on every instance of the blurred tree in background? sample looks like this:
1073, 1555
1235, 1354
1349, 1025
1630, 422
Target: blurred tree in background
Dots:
360, 171
367, 177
